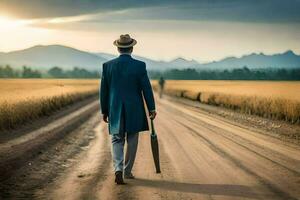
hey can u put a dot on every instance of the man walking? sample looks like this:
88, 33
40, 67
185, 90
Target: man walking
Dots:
161, 83
124, 83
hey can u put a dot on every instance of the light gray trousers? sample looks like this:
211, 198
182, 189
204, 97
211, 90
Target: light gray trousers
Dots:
118, 143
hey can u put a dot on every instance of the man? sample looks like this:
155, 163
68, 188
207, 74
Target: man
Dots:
161, 83
124, 83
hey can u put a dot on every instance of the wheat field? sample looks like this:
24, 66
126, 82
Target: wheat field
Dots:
277, 100
23, 100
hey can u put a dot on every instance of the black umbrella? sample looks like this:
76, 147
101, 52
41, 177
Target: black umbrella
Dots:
154, 147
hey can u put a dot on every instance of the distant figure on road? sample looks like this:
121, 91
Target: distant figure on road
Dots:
124, 83
161, 83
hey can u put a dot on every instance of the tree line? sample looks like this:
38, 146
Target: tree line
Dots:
175, 74
26, 72
55, 72
234, 74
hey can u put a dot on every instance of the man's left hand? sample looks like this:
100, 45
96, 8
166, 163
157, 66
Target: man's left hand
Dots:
152, 114
105, 118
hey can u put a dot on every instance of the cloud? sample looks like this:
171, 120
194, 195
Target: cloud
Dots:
59, 8
216, 10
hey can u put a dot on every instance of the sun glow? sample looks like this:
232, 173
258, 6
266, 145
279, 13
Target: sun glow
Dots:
60, 20
7, 23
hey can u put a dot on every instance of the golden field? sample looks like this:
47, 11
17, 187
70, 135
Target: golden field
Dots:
277, 100
23, 100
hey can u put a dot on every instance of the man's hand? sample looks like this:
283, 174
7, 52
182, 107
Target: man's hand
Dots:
152, 114
105, 118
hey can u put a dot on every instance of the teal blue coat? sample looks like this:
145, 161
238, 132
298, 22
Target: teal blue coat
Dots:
124, 82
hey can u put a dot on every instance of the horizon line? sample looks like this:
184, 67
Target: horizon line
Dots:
157, 60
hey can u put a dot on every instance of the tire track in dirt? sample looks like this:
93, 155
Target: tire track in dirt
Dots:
40, 167
239, 164
16, 152
83, 179
204, 173
198, 128
283, 160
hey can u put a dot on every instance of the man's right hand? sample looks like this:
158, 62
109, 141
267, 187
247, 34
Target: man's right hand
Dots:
105, 118
152, 114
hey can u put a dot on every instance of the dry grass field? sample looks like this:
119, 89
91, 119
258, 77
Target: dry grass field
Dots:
277, 100
23, 100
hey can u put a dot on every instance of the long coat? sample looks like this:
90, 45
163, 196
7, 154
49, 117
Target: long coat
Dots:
124, 82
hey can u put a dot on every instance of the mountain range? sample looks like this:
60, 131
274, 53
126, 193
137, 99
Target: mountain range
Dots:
44, 57
287, 60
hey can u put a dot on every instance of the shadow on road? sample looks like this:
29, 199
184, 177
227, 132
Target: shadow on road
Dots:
211, 189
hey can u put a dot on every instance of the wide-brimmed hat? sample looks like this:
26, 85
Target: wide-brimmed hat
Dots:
125, 41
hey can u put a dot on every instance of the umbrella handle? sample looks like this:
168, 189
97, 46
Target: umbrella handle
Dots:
153, 133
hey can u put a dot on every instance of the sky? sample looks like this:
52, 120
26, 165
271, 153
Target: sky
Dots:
204, 30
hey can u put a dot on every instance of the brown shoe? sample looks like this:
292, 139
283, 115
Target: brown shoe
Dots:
119, 178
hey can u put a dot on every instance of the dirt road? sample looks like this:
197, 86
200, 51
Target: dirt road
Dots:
202, 157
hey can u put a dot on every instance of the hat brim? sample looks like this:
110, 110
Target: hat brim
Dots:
125, 46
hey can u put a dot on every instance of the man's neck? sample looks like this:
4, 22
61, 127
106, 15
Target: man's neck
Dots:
129, 54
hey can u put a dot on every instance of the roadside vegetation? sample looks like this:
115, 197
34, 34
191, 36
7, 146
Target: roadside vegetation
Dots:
24, 100
275, 100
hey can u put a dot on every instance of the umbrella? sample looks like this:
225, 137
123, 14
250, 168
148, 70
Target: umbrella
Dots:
154, 147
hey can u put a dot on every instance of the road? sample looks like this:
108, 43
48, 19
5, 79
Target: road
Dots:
202, 157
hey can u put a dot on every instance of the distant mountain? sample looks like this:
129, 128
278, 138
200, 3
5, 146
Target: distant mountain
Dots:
44, 57
178, 63
181, 63
286, 60
151, 64
106, 56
